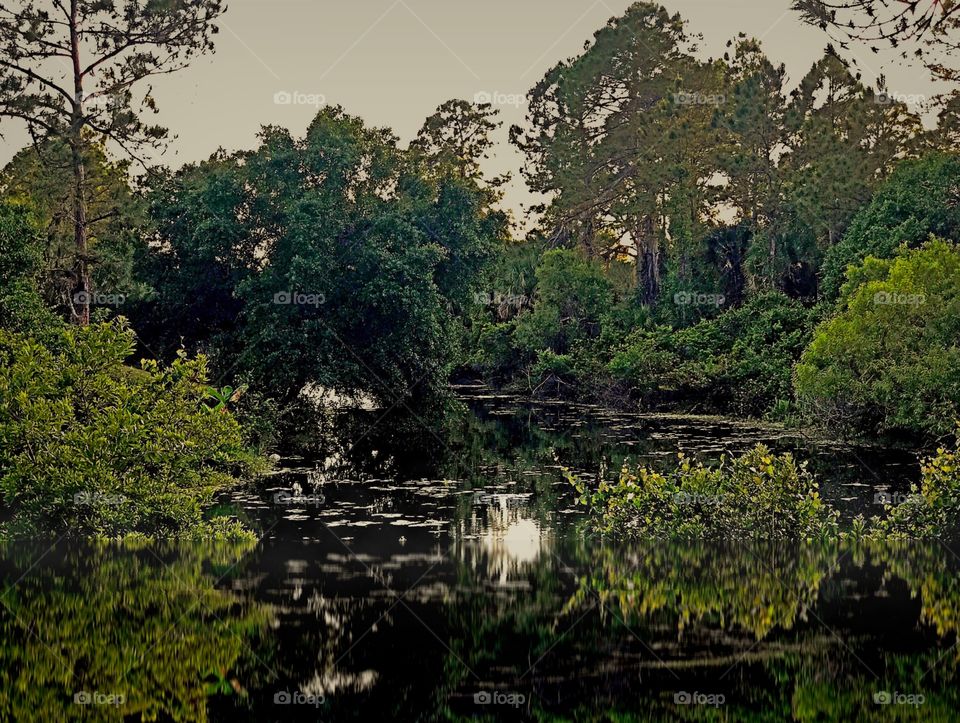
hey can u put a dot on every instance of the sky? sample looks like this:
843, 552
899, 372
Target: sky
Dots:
392, 62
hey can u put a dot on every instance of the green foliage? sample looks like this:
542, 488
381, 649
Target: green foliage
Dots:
628, 138
42, 179
739, 361
89, 446
932, 510
571, 298
337, 260
21, 260
888, 362
843, 141
758, 495
921, 198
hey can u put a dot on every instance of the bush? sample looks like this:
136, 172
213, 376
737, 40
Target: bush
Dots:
757, 496
740, 361
933, 509
89, 446
888, 362
572, 295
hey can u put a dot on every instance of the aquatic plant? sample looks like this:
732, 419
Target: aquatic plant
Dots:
756, 495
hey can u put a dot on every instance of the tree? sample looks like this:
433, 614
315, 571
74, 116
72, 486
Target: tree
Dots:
843, 142
922, 197
888, 362
333, 260
622, 139
457, 136
40, 178
755, 114
68, 68
924, 29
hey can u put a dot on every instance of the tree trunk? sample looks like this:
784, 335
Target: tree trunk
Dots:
648, 261
80, 295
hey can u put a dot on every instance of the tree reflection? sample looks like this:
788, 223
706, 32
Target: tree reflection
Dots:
592, 631
754, 587
110, 631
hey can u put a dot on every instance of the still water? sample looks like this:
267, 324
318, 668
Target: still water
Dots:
438, 569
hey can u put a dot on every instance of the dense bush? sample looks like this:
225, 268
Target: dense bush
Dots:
758, 495
563, 312
90, 446
889, 361
739, 362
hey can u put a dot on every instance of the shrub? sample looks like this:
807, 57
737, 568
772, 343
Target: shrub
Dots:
550, 367
89, 446
741, 360
888, 362
758, 495
933, 509
571, 298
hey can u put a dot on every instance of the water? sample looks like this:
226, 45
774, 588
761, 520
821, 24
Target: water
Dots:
437, 568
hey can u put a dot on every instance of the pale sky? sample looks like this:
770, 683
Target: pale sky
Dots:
392, 62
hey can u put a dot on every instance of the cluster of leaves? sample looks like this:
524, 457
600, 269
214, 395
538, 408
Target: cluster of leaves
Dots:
932, 510
763, 496
21, 261
738, 362
90, 446
888, 363
758, 495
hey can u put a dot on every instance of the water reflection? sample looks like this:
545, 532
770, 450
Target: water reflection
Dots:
104, 632
407, 572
